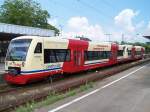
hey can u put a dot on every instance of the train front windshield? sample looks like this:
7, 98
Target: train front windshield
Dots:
18, 49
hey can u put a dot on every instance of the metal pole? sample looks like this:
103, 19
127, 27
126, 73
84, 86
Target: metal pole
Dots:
122, 37
60, 29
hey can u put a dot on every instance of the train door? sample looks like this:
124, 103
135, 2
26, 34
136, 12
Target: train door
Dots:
142, 52
78, 59
114, 52
133, 53
37, 60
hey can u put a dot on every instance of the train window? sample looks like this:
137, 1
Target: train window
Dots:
106, 54
129, 52
67, 57
38, 48
62, 55
56, 55
49, 56
96, 55
85, 55
17, 50
138, 52
120, 52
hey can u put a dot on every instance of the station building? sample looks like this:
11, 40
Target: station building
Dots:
147, 36
10, 31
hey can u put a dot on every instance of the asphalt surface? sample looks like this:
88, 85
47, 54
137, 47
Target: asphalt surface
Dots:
128, 91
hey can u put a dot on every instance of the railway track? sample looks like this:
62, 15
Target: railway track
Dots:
15, 96
6, 88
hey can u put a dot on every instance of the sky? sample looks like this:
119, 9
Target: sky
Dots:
100, 20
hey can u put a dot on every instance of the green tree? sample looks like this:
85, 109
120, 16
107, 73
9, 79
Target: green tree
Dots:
25, 12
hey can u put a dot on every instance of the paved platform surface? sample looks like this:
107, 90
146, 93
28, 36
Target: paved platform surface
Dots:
128, 91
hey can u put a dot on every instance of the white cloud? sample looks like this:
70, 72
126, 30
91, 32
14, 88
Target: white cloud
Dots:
147, 30
140, 25
78, 22
148, 26
125, 20
78, 26
81, 26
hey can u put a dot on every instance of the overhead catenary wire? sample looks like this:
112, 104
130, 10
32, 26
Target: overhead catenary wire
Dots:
109, 5
62, 5
100, 12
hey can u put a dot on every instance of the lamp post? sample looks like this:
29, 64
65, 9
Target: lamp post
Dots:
122, 39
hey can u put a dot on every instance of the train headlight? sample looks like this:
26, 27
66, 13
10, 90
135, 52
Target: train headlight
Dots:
14, 70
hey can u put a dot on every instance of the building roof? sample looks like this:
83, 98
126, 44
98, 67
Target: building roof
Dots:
24, 30
146, 36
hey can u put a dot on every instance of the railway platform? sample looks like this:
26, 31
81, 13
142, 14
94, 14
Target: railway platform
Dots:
127, 91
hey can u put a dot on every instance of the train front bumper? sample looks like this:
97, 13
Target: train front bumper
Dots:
12, 79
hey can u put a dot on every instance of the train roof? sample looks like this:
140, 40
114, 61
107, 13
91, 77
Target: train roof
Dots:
63, 39
36, 37
59, 38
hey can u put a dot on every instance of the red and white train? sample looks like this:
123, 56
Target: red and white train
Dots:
32, 58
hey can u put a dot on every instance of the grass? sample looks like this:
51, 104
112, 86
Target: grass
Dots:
52, 98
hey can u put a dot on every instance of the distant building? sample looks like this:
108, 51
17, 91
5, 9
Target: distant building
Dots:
10, 31
83, 38
147, 36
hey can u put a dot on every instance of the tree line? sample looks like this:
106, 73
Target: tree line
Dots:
26, 13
